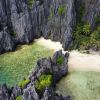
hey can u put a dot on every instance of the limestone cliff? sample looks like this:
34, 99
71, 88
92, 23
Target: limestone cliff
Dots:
25, 20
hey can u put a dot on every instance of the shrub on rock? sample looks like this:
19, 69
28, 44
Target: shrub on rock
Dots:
60, 60
23, 83
43, 82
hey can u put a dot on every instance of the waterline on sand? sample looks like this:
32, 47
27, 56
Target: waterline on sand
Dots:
77, 61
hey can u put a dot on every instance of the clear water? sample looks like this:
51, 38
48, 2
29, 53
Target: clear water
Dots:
14, 66
81, 85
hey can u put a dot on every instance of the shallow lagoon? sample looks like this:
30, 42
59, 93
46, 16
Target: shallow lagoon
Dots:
81, 85
14, 66
82, 82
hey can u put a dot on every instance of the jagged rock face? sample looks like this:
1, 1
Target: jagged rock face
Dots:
45, 66
54, 19
21, 21
49, 94
6, 42
4, 93
30, 94
44, 19
91, 10
51, 24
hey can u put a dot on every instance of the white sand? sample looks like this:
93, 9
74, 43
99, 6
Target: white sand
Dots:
84, 62
77, 60
49, 44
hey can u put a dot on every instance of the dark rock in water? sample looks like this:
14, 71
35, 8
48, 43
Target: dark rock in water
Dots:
30, 94
44, 66
4, 93
49, 94
16, 91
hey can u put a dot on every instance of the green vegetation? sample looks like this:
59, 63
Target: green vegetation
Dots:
96, 34
14, 66
61, 10
84, 38
23, 83
19, 98
81, 85
60, 60
43, 82
86, 29
30, 3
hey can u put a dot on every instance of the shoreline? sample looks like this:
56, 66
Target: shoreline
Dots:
78, 61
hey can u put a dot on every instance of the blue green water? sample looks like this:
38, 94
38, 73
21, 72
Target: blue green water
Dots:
14, 66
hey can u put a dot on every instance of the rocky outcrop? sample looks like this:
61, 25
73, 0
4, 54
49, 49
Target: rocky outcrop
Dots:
21, 21
90, 9
57, 67
49, 18
55, 20
45, 66
4, 93
6, 42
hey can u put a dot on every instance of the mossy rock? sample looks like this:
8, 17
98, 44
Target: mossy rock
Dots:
43, 82
60, 60
30, 3
61, 10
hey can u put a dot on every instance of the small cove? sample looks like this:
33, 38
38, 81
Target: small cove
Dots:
14, 66
82, 82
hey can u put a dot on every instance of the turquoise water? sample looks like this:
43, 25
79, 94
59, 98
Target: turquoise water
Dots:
14, 66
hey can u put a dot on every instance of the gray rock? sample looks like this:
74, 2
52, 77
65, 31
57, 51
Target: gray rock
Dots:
6, 42
21, 21
44, 66
43, 19
16, 91
49, 94
50, 24
30, 94
4, 93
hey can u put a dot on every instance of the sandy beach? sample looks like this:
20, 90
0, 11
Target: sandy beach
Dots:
77, 61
